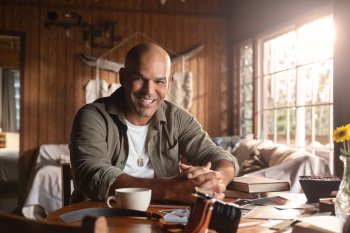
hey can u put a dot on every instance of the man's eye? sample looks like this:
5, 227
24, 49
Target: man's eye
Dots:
160, 82
137, 78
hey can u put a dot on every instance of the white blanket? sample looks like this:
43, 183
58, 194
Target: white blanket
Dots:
292, 169
282, 162
45, 194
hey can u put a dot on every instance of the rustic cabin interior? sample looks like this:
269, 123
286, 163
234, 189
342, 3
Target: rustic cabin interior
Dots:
272, 70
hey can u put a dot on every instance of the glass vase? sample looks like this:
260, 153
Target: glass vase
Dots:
342, 200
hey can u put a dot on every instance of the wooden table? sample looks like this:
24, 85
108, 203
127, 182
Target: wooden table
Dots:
134, 225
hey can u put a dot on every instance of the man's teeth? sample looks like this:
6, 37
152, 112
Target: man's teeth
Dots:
146, 101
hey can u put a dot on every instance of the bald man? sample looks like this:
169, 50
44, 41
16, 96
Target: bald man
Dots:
135, 138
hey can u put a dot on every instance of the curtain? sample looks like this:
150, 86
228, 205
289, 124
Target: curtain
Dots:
8, 101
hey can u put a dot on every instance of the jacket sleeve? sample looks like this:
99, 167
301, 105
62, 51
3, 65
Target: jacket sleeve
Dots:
196, 145
90, 158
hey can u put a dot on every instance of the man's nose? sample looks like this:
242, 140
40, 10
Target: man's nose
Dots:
148, 87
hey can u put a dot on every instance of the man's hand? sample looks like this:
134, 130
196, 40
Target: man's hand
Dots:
204, 177
182, 186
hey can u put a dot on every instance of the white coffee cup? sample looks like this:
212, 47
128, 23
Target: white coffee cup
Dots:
131, 198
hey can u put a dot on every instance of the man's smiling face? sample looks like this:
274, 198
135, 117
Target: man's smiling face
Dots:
146, 85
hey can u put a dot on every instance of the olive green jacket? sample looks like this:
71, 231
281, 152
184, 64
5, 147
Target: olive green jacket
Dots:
99, 144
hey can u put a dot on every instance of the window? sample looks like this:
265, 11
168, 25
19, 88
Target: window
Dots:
294, 77
246, 87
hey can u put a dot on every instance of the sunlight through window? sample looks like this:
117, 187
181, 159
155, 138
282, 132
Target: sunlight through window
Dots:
296, 82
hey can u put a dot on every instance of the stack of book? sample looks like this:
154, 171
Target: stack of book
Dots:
251, 187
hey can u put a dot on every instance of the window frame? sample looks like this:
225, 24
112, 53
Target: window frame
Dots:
258, 116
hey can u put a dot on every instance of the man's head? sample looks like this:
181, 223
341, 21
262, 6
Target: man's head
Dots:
145, 80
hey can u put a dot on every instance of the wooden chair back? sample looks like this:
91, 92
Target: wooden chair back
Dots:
67, 177
10, 223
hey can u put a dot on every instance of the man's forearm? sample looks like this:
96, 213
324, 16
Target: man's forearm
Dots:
177, 188
126, 181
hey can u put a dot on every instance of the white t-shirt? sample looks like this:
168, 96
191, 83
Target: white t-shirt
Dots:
136, 139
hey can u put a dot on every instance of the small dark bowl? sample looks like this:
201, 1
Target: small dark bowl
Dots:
316, 187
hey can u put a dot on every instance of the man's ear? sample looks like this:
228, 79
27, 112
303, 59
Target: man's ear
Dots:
122, 76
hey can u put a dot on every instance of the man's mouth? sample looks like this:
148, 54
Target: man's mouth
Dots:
146, 101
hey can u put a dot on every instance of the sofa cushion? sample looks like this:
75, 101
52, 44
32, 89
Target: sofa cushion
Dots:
254, 155
254, 163
248, 157
273, 154
246, 149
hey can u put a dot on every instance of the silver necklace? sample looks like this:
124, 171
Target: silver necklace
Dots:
140, 155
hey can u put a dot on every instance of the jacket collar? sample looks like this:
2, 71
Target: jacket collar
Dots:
115, 106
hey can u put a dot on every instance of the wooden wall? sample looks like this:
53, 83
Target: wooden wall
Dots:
54, 78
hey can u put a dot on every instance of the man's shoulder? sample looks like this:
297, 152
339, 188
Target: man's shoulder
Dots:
98, 104
108, 102
105, 104
169, 106
171, 112
97, 108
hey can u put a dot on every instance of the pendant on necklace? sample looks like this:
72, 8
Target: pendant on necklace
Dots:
140, 162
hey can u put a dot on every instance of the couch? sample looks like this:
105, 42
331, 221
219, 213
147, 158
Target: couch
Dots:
268, 159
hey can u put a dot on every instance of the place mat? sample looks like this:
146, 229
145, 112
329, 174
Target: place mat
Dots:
107, 212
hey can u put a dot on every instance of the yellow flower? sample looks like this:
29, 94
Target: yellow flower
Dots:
347, 137
341, 134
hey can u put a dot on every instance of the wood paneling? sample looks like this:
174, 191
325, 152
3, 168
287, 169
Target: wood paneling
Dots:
9, 52
54, 78
9, 58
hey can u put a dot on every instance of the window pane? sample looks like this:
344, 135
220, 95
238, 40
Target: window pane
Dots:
315, 40
248, 127
322, 124
292, 87
248, 111
315, 83
247, 54
246, 87
248, 92
282, 126
280, 89
279, 53
281, 84
305, 85
270, 123
292, 122
285, 88
247, 74
323, 78
308, 125
268, 92
246, 63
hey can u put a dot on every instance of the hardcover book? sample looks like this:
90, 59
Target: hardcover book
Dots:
244, 195
319, 224
254, 184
